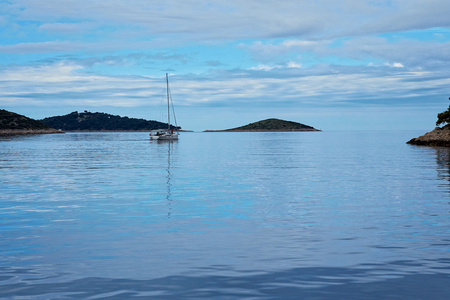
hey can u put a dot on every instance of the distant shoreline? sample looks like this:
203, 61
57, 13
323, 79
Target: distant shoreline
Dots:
145, 130
28, 131
265, 130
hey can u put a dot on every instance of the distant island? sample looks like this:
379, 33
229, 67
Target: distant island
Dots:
12, 123
440, 136
88, 121
269, 125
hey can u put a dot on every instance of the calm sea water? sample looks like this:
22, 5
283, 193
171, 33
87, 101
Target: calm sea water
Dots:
302, 215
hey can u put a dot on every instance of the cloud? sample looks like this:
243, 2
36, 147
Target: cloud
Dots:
429, 55
68, 47
395, 65
263, 68
131, 59
267, 51
404, 15
196, 20
360, 50
290, 65
43, 47
67, 28
294, 65
66, 83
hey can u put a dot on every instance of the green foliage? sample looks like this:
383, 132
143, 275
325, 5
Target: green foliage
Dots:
10, 120
443, 117
87, 121
273, 125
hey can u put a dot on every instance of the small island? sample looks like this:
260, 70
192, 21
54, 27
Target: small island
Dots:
269, 125
12, 123
440, 136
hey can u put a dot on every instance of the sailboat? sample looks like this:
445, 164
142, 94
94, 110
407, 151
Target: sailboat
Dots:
169, 133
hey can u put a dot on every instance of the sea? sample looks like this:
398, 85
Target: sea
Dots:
224, 215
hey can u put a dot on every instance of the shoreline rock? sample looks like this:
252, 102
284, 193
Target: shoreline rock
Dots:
439, 137
28, 131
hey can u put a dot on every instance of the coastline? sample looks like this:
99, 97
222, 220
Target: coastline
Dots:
438, 137
28, 131
146, 130
264, 130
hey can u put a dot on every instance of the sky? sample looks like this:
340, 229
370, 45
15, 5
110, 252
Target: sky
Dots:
333, 65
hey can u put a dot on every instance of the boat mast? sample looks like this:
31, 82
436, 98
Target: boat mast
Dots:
168, 110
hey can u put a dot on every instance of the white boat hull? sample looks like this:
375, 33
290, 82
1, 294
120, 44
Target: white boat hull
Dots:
164, 137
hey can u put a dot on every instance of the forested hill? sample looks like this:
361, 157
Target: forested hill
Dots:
273, 125
12, 123
87, 121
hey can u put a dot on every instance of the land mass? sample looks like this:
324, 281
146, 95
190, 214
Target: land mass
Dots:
88, 121
440, 137
269, 125
12, 123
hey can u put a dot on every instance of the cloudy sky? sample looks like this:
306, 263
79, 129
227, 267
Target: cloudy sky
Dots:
334, 65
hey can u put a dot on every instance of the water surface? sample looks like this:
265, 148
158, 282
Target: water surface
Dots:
312, 215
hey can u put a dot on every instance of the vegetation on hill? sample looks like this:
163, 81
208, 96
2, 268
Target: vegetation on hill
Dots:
87, 121
13, 121
443, 117
274, 125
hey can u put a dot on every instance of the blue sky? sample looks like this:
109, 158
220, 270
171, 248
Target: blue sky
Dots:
334, 65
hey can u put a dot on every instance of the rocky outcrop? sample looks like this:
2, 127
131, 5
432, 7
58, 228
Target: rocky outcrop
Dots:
12, 123
28, 131
438, 137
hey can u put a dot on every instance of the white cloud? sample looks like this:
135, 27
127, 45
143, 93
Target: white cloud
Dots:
263, 68
398, 53
396, 65
294, 65
407, 52
289, 65
66, 84
233, 19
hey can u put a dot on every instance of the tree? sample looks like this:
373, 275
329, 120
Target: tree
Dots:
444, 117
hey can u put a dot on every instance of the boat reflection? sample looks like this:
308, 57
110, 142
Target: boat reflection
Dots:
167, 147
168, 175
